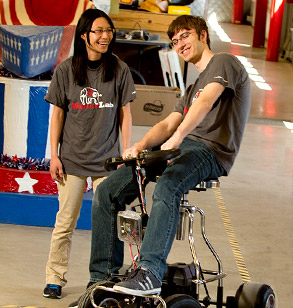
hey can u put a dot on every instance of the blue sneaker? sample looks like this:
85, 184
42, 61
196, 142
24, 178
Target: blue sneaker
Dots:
139, 282
52, 291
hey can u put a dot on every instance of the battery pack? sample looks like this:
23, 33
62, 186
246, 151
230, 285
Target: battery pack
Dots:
129, 226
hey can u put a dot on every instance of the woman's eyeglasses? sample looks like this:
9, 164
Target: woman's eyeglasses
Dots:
100, 32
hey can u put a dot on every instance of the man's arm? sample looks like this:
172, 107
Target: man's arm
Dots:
157, 134
197, 112
57, 120
125, 126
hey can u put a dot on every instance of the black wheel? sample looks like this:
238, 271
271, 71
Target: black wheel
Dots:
181, 301
255, 295
101, 298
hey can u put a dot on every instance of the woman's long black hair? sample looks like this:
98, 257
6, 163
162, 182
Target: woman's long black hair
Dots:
80, 57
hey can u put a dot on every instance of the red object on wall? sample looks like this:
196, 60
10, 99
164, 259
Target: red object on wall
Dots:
237, 13
65, 45
27, 181
259, 31
273, 48
42, 12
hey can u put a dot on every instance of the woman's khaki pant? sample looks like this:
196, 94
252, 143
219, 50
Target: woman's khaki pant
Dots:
71, 191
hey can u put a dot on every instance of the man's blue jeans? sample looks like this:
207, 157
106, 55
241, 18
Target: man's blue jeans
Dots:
195, 163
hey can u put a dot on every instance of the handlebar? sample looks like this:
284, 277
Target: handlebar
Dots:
146, 158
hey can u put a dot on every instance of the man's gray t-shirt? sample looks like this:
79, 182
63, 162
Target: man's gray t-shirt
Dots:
91, 124
223, 127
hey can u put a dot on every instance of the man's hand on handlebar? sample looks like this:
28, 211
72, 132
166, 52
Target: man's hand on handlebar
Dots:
146, 158
132, 151
172, 143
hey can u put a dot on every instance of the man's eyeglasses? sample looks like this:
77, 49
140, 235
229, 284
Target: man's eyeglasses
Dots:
184, 36
100, 32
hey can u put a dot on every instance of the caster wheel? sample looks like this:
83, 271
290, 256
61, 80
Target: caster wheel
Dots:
181, 301
255, 295
101, 298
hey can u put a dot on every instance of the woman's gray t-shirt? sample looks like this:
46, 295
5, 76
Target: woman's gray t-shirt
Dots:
91, 124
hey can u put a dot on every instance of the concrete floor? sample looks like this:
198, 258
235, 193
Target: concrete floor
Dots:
256, 201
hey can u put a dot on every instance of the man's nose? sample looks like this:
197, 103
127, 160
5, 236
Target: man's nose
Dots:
180, 44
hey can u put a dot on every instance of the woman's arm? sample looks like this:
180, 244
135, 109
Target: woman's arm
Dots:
57, 121
125, 126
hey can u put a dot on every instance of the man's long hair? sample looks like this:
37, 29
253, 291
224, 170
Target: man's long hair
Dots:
189, 22
80, 56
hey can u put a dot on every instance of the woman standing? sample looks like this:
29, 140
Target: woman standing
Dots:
90, 92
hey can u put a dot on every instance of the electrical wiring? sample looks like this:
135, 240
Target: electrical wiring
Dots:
140, 181
134, 258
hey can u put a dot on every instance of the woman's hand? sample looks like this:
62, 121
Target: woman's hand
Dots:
56, 169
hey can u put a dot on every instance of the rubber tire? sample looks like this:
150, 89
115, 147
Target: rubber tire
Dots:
181, 301
99, 296
255, 295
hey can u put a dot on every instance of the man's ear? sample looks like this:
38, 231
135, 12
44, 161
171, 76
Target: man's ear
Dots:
203, 36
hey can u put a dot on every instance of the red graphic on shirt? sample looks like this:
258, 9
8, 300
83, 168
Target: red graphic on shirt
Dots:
89, 96
197, 94
90, 92
91, 99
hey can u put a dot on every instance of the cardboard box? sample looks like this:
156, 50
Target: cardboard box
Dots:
153, 104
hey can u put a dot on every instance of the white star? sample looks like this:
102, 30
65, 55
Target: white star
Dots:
33, 60
37, 59
26, 183
32, 44
47, 41
42, 42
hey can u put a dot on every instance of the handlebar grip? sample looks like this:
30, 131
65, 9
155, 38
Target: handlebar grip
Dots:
146, 158
111, 163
